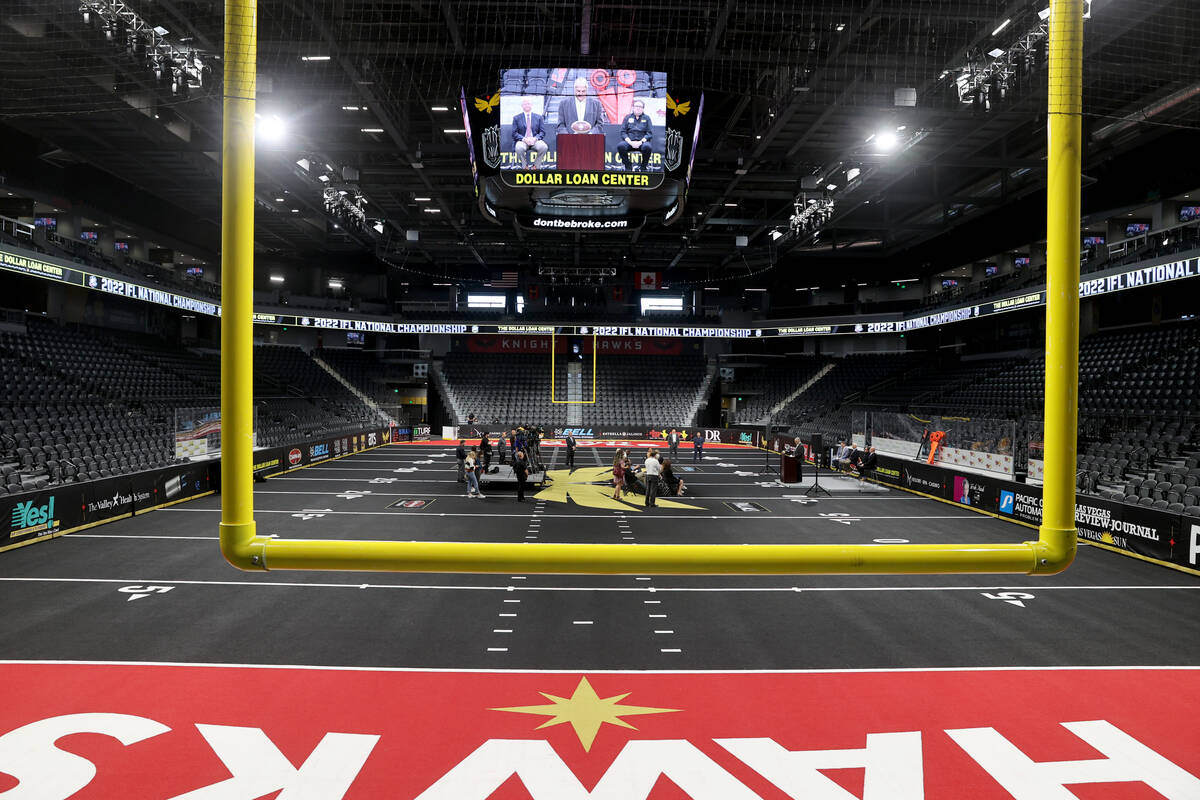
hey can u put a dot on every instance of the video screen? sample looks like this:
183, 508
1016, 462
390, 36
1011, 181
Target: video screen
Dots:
49, 223
623, 112
121, 247
990, 270
356, 338
1093, 241
949, 283
1189, 213
1021, 261
1136, 229
194, 272
89, 236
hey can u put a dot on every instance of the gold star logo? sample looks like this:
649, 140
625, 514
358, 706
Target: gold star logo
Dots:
586, 711
592, 487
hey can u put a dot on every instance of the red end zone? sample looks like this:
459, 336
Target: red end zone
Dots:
147, 732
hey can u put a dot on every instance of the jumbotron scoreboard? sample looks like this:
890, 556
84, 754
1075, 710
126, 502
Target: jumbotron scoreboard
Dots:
582, 149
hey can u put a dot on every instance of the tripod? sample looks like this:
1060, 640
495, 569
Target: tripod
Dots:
816, 488
766, 448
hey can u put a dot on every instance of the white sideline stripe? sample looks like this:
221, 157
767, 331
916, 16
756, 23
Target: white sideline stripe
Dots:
446, 671
626, 589
134, 536
772, 518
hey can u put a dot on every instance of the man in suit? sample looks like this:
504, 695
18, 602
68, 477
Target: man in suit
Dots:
570, 452
580, 114
528, 134
636, 135
673, 436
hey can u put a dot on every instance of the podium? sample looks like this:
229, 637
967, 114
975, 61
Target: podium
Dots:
583, 151
789, 469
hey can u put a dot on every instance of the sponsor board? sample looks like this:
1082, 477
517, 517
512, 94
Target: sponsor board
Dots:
365, 734
578, 433
295, 457
318, 452
32, 517
411, 504
1158, 535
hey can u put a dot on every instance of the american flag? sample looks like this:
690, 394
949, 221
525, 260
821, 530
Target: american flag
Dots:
504, 280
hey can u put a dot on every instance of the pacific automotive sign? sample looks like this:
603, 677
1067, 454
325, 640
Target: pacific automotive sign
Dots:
1148, 532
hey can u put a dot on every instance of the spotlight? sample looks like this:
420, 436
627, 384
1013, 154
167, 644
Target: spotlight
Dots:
271, 129
885, 140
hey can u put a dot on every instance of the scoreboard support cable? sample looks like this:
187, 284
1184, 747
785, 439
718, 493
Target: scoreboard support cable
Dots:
1051, 553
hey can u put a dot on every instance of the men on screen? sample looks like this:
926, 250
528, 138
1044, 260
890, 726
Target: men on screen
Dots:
636, 136
528, 134
580, 113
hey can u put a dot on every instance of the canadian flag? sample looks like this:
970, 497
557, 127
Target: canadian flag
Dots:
649, 280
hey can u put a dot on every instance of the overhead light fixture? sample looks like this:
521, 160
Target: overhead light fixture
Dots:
371, 130
335, 284
1044, 13
852, 173
271, 128
886, 140
734, 205
906, 280
776, 235
279, 199
378, 227
303, 163
432, 210
295, 211
353, 108
831, 186
454, 130
440, 108
314, 58
755, 290
996, 52
870, 138
1001, 26
276, 279
422, 199
711, 288
841, 26
323, 178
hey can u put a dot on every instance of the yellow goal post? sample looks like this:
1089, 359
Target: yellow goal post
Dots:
1052, 552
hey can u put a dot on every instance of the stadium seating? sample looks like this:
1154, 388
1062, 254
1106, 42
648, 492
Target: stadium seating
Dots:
84, 403
636, 391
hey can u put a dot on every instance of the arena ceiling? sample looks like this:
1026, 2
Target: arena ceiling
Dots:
795, 94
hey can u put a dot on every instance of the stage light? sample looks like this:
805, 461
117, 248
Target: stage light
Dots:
885, 140
852, 173
1001, 26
